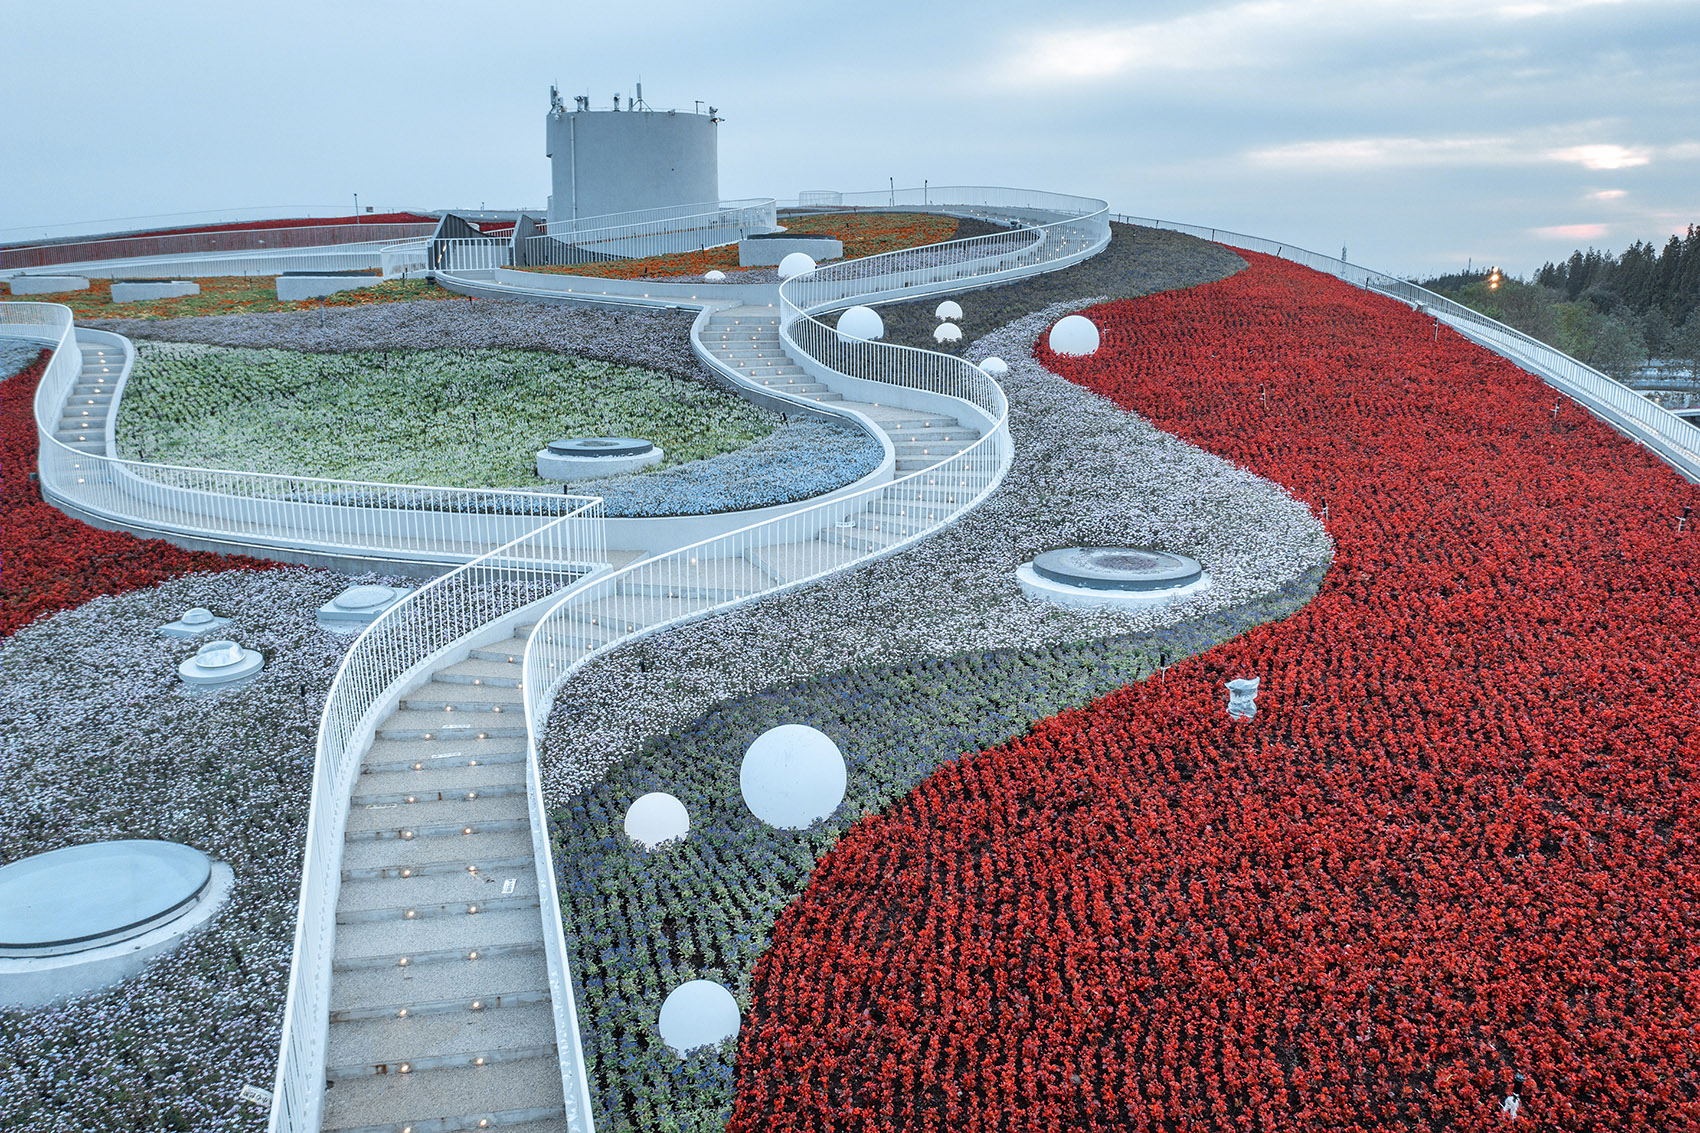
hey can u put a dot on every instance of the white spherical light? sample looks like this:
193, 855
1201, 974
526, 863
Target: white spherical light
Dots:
793, 776
697, 1014
949, 309
714, 276
995, 366
861, 323
947, 332
796, 264
656, 818
1075, 336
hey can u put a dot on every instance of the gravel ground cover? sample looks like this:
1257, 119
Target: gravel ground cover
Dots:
931, 653
230, 295
1138, 261
100, 740
1445, 876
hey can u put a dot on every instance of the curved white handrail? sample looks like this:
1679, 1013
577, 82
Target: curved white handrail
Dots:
1642, 421
716, 574
401, 647
243, 510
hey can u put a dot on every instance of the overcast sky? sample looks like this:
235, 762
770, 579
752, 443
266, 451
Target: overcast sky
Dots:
1417, 134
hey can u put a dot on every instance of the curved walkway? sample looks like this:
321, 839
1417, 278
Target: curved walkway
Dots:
366, 1018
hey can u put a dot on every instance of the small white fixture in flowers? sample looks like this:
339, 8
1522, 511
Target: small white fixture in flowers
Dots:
995, 366
793, 776
1075, 335
655, 819
861, 324
220, 663
796, 263
949, 309
193, 623
947, 332
714, 275
696, 1014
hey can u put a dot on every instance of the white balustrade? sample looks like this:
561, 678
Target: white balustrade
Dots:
680, 229
404, 646
1650, 425
241, 510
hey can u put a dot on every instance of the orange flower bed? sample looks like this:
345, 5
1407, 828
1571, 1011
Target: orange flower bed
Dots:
863, 234
231, 295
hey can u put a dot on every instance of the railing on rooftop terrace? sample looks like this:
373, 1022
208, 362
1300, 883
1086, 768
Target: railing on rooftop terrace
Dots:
593, 239
200, 243
721, 572
1655, 428
401, 647
256, 510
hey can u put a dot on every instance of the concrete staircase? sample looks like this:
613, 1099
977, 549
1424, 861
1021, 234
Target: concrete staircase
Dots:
440, 1010
82, 425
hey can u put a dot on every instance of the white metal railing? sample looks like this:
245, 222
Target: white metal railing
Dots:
563, 225
1656, 428
336, 257
593, 239
57, 256
809, 542
1052, 231
405, 259
401, 647
469, 253
410, 522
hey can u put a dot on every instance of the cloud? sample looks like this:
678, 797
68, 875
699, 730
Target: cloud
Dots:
1608, 195
1572, 231
1603, 156
1361, 153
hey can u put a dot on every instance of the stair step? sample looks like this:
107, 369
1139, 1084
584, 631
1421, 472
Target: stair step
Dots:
439, 830
455, 850
498, 928
464, 727
406, 869
471, 1003
448, 956
520, 1095
798, 560
417, 794
457, 981
396, 914
398, 755
455, 776
435, 696
358, 1049
477, 671
454, 814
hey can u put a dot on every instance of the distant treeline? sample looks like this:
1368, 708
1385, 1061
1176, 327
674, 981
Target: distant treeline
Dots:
1613, 312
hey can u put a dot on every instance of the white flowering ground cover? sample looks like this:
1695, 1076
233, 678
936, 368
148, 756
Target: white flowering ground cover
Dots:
454, 418
905, 662
99, 740
777, 461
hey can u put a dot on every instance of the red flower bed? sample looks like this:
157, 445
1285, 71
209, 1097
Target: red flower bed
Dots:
1457, 843
51, 561
290, 222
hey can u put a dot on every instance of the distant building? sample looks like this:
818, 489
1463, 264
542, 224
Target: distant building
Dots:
627, 158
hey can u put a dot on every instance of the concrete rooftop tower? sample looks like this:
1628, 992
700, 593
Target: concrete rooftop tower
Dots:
629, 157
